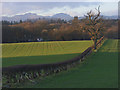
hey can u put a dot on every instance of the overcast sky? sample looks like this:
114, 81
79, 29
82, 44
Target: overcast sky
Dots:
51, 8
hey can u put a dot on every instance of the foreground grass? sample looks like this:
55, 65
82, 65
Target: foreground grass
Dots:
99, 70
41, 52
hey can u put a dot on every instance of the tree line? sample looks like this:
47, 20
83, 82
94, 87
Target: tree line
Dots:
53, 30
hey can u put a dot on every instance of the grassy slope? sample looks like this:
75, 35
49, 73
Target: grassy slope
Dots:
41, 52
100, 70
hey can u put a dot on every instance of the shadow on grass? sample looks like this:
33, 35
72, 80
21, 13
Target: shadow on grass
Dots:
45, 59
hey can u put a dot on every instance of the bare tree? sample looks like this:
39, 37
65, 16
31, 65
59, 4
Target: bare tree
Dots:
94, 25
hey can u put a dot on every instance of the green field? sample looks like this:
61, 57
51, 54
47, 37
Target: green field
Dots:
41, 52
99, 70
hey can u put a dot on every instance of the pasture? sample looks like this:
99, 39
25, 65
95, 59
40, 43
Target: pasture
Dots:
99, 70
41, 52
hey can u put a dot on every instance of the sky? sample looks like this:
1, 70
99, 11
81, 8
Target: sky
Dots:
51, 8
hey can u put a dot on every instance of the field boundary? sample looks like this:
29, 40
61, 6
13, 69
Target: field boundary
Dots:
20, 73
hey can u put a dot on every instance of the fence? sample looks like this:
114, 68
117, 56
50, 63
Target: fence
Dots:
20, 73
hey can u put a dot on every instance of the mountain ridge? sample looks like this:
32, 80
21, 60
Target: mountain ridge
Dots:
35, 16
31, 16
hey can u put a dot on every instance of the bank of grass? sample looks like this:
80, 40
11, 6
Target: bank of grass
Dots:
99, 70
41, 52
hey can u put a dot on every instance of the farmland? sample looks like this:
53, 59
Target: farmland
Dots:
99, 70
41, 52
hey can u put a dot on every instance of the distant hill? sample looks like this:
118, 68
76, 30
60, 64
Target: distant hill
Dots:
110, 17
62, 16
22, 17
33, 16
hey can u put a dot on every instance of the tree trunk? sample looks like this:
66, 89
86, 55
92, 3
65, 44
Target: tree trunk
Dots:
95, 44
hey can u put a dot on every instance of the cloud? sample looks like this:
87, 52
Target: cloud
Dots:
50, 8
60, 0
109, 9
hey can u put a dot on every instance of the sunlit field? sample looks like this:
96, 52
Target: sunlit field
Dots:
42, 52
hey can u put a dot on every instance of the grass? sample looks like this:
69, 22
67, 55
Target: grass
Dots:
41, 52
44, 59
99, 70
